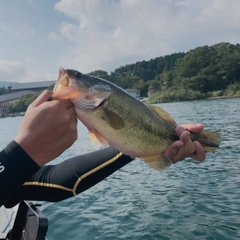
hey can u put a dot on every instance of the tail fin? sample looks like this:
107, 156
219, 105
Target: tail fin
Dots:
209, 140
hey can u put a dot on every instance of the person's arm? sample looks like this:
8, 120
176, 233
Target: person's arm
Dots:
58, 182
15, 166
48, 128
73, 176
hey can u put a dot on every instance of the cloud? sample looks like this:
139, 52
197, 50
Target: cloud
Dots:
69, 30
24, 31
12, 71
55, 37
89, 35
113, 33
4, 26
16, 71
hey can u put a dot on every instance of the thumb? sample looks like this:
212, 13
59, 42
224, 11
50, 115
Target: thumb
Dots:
43, 97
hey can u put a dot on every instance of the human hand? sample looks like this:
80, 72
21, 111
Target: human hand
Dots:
184, 147
48, 128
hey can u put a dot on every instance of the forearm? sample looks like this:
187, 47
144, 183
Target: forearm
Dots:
15, 167
71, 177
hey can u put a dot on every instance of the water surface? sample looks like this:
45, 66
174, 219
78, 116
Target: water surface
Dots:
189, 200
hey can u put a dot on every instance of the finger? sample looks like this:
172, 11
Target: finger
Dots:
64, 103
185, 136
188, 148
199, 153
179, 130
171, 151
70, 107
69, 104
184, 152
43, 97
193, 127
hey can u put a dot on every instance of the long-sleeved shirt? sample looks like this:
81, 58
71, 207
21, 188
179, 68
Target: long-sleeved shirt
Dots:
22, 179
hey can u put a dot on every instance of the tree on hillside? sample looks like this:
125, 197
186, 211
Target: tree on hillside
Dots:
209, 68
22, 104
100, 73
3, 90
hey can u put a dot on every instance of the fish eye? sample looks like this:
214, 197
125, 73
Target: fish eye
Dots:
78, 74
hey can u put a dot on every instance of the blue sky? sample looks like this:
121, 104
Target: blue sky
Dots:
37, 37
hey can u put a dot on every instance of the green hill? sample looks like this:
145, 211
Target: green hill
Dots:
207, 71
203, 72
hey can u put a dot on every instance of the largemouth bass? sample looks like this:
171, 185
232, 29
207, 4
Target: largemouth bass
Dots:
115, 118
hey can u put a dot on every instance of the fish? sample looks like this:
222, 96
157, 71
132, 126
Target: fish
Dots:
115, 118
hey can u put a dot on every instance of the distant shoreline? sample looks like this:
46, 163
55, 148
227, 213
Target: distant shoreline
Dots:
234, 96
208, 98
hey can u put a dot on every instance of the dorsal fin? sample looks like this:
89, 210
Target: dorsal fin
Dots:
164, 115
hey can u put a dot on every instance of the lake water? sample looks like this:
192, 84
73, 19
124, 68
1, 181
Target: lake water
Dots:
189, 200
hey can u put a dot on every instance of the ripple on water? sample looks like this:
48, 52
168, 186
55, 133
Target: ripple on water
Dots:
188, 201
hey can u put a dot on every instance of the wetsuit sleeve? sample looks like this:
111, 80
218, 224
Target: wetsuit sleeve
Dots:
15, 168
71, 177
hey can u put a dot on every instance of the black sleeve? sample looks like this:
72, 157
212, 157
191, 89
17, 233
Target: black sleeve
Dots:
71, 177
15, 168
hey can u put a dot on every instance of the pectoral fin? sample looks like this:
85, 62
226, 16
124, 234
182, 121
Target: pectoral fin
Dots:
97, 139
113, 119
159, 162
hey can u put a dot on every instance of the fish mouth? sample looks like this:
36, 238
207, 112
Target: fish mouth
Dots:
63, 88
85, 91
